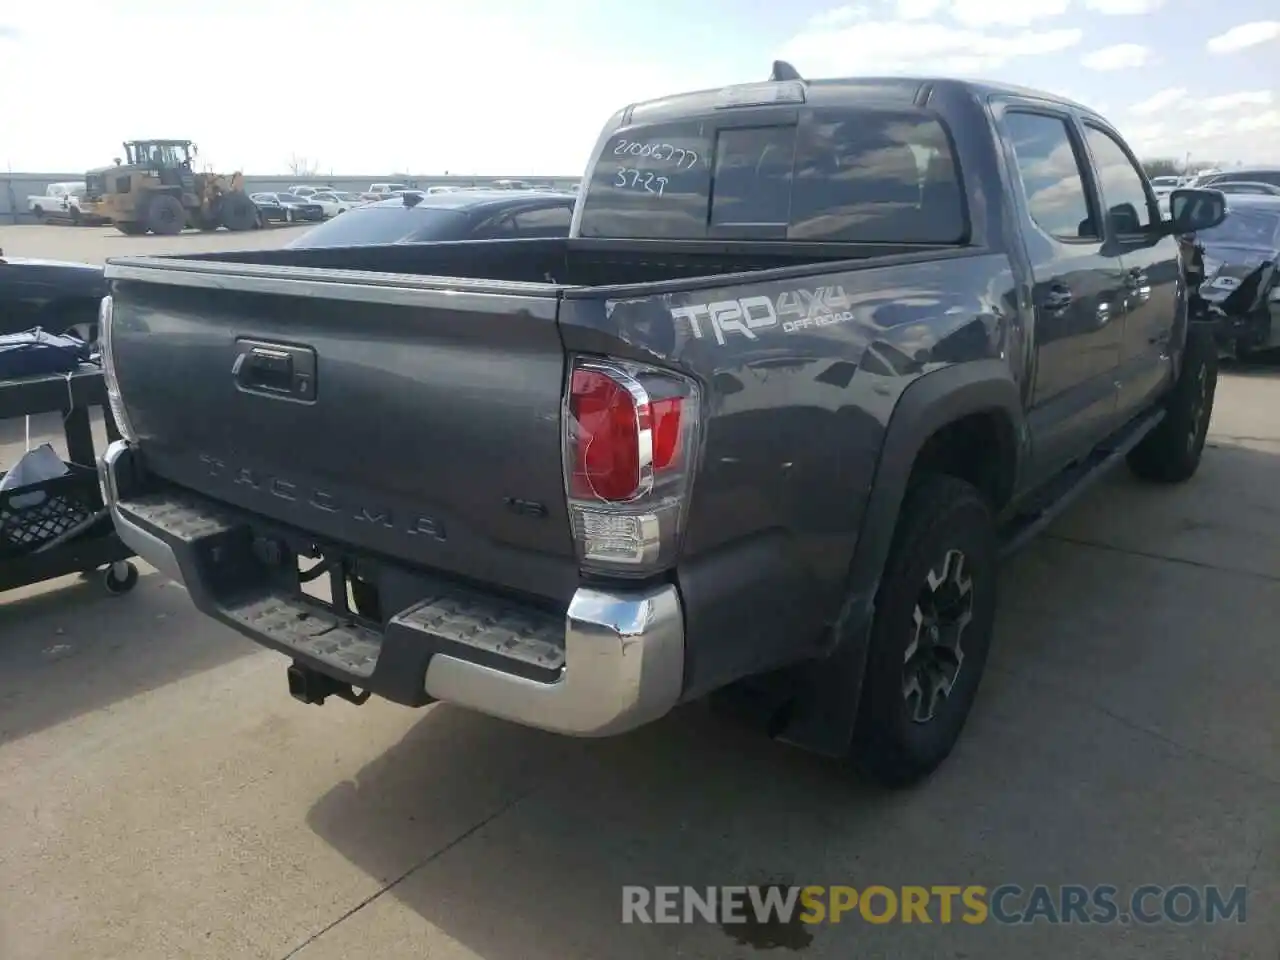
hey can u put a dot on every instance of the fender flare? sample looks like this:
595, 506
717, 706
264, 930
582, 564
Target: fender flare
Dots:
822, 719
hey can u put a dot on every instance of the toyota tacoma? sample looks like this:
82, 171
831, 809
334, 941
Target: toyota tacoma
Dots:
815, 355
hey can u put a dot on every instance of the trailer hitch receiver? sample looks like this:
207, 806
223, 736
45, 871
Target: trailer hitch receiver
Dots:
312, 686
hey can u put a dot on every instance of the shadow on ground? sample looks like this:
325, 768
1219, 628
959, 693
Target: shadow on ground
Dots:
71, 648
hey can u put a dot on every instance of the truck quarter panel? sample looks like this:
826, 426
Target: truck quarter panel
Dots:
801, 376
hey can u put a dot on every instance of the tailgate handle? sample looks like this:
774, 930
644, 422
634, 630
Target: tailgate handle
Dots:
279, 371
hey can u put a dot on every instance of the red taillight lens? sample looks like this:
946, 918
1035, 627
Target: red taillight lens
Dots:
607, 461
608, 454
666, 432
630, 440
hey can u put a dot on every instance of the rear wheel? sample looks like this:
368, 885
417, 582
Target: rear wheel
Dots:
1171, 452
130, 229
238, 212
165, 215
935, 612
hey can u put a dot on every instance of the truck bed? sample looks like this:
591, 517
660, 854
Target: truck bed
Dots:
432, 431
560, 263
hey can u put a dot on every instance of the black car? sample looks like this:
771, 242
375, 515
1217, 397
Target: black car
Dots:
1269, 175
478, 215
287, 208
59, 296
1241, 284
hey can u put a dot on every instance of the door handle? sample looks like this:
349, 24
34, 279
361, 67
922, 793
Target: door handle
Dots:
1058, 298
275, 370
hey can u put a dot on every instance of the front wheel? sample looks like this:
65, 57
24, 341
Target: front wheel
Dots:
1171, 452
935, 612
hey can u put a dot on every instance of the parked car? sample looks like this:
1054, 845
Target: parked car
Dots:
385, 188
1269, 175
332, 204
1163, 185
59, 296
1241, 283
761, 426
447, 216
60, 201
1232, 187
286, 207
308, 190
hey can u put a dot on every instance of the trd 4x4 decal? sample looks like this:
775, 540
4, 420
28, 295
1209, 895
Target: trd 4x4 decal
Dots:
792, 310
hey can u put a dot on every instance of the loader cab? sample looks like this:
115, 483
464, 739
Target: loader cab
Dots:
167, 160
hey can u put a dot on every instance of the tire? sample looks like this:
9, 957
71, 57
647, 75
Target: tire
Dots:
238, 212
131, 229
1171, 452
119, 578
38, 212
288, 216
920, 681
75, 216
165, 216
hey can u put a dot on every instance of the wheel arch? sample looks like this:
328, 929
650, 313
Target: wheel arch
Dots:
935, 406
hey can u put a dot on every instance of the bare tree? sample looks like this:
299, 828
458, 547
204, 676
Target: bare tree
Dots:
302, 167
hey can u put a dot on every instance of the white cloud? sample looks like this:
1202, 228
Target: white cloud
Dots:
1159, 102
1267, 120
1006, 13
1122, 56
1244, 36
839, 15
919, 9
1234, 101
1143, 138
1122, 8
896, 46
1179, 100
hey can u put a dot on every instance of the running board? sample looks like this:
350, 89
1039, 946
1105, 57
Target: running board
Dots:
1068, 486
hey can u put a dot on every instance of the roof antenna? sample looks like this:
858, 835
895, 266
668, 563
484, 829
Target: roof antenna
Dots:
784, 71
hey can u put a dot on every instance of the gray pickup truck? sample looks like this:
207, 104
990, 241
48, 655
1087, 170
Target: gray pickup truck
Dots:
814, 356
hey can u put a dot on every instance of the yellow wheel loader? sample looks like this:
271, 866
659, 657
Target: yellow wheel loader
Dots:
154, 189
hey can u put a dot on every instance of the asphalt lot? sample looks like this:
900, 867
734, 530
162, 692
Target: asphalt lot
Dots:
163, 797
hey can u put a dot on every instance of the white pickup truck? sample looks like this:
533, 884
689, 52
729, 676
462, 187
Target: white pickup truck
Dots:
59, 201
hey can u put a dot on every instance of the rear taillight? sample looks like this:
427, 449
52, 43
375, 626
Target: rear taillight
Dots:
631, 434
106, 313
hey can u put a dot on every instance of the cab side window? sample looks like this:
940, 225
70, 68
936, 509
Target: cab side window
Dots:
1050, 172
1124, 190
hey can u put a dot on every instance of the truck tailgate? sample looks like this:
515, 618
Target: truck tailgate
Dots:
411, 421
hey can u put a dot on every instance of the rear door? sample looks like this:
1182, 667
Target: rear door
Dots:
1078, 288
1152, 275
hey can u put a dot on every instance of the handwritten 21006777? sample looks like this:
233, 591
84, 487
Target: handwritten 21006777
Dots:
658, 154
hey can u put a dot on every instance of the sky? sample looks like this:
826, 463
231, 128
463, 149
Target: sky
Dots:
491, 87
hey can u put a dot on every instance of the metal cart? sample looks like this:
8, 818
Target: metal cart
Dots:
68, 529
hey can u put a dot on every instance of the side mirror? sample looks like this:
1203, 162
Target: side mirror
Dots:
1192, 210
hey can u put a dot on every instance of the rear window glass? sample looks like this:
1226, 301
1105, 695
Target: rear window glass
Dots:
863, 176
